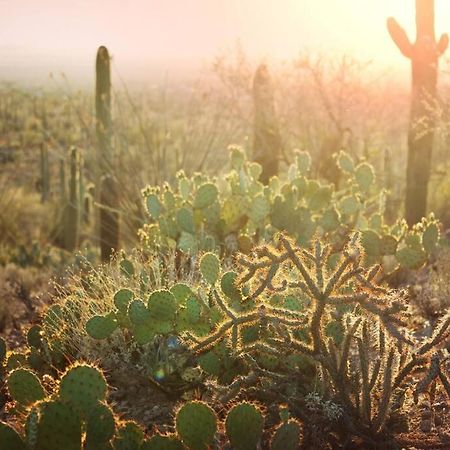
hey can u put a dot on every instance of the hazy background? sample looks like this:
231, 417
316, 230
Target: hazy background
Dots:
150, 38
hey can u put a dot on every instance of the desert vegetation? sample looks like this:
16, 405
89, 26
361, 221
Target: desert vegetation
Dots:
257, 258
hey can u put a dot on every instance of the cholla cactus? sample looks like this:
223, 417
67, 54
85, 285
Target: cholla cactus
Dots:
291, 296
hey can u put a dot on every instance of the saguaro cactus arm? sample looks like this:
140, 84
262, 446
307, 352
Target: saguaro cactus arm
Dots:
400, 38
424, 54
442, 45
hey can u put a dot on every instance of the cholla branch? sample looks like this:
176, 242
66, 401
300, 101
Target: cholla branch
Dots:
376, 356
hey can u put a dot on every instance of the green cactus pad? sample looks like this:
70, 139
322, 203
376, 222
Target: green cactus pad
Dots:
162, 306
59, 427
259, 209
129, 437
371, 242
185, 220
83, 386
303, 160
161, 442
286, 436
411, 257
430, 237
206, 195
34, 336
345, 162
181, 292
35, 360
10, 439
210, 363
122, 298
244, 426
364, 176
15, 361
349, 205
126, 268
330, 220
187, 243
388, 245
320, 199
210, 267
193, 310
54, 316
143, 334
228, 285
100, 425
196, 424
101, 327
138, 313
153, 206
24, 387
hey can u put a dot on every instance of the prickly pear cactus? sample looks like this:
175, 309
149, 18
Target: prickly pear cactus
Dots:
244, 425
101, 327
83, 386
24, 387
286, 436
210, 267
160, 442
10, 439
101, 426
196, 423
59, 427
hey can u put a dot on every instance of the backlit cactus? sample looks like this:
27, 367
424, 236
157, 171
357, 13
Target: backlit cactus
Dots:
24, 387
196, 423
243, 212
244, 426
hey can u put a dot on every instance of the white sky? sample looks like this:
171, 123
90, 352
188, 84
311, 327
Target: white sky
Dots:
41, 36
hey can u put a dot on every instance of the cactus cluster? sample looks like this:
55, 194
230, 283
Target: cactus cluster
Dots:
75, 415
237, 211
302, 312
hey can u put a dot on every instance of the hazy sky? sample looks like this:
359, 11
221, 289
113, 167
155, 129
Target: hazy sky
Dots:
40, 36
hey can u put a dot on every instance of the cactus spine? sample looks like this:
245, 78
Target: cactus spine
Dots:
424, 55
267, 138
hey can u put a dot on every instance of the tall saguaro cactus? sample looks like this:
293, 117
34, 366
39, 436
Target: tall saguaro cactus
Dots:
424, 55
71, 225
103, 107
109, 218
267, 138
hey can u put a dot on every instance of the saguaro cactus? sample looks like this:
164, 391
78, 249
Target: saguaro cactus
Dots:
103, 107
71, 225
267, 138
45, 174
109, 217
424, 55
